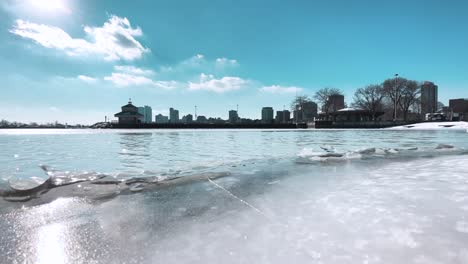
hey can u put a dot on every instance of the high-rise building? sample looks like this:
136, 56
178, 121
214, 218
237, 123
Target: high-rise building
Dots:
282, 117
429, 92
160, 119
305, 112
309, 111
335, 103
147, 113
267, 115
173, 115
233, 117
287, 116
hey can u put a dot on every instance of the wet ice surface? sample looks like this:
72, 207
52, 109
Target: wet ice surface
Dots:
396, 204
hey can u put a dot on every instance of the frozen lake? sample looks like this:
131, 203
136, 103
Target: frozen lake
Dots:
252, 196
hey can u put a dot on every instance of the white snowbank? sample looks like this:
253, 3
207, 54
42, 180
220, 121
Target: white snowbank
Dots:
434, 126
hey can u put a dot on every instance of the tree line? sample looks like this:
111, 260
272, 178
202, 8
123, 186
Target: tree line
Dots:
399, 95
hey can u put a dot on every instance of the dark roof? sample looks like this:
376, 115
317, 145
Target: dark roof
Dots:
355, 111
129, 105
127, 113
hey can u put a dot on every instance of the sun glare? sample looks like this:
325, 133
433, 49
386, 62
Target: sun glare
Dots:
50, 6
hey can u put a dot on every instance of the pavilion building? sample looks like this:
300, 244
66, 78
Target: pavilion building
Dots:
129, 115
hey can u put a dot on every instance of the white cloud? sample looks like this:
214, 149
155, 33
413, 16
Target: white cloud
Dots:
225, 84
278, 89
54, 109
226, 62
86, 79
199, 63
133, 70
128, 75
194, 61
115, 40
125, 79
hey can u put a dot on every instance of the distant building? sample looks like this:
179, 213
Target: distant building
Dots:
287, 116
354, 115
309, 111
349, 118
335, 103
129, 115
233, 117
459, 109
429, 100
447, 112
160, 119
216, 120
189, 118
435, 117
173, 115
147, 114
305, 112
459, 105
282, 117
202, 119
267, 115
248, 121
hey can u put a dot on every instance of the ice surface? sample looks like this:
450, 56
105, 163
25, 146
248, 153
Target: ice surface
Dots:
391, 212
389, 197
435, 126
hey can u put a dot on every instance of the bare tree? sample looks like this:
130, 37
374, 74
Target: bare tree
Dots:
299, 100
322, 96
370, 98
409, 96
416, 107
440, 105
4, 123
393, 89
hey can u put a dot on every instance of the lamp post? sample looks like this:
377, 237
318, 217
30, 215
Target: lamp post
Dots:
395, 99
284, 114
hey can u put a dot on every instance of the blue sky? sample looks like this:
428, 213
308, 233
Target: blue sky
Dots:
77, 61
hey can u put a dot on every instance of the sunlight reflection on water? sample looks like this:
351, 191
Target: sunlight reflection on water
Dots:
50, 245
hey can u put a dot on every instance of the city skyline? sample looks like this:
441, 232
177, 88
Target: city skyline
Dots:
77, 61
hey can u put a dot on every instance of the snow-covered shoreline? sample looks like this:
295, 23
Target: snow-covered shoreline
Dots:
434, 126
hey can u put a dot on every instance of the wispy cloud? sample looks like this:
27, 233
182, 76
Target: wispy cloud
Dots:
133, 70
128, 75
224, 84
199, 63
54, 109
226, 62
121, 79
115, 40
278, 89
87, 79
